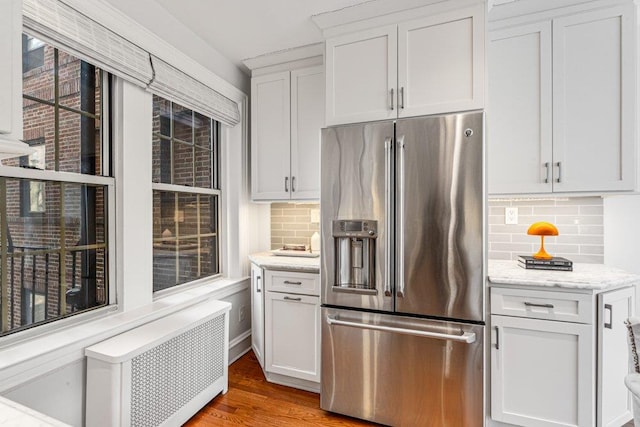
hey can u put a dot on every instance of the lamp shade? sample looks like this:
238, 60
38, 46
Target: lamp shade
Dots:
13, 148
542, 229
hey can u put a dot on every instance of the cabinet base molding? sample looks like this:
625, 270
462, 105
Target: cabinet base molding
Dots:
311, 386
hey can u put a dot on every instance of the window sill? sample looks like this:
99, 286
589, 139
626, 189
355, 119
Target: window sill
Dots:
25, 355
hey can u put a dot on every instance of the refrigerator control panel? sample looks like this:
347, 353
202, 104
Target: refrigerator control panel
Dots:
355, 228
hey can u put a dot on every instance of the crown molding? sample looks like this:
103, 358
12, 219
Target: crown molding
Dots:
287, 55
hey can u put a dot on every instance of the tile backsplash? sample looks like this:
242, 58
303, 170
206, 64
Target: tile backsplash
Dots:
291, 223
579, 221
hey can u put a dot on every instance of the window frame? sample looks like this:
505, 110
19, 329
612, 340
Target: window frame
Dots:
215, 190
105, 180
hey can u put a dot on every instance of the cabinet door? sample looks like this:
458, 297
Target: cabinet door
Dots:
441, 63
307, 118
593, 100
361, 74
257, 313
292, 332
542, 372
270, 131
519, 116
614, 400
11, 70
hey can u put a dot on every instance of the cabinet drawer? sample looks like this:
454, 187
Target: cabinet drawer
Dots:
292, 282
547, 305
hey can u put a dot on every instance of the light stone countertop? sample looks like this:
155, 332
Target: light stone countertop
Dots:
15, 414
583, 276
287, 263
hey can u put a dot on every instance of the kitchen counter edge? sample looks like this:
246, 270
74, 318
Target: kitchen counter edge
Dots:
584, 276
270, 261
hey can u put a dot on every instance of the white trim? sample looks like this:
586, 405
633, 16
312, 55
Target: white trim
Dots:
107, 15
372, 14
184, 189
287, 55
49, 175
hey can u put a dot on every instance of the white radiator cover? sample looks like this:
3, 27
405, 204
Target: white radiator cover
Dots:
162, 372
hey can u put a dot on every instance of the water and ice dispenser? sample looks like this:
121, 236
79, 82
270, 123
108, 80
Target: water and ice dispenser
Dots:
355, 249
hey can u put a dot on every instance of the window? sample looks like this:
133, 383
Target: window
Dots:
32, 53
54, 202
32, 193
186, 196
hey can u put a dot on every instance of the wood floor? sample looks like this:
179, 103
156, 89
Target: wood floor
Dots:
252, 401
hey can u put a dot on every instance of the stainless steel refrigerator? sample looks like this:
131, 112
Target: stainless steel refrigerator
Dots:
403, 270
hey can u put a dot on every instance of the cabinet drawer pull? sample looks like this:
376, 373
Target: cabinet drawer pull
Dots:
497, 338
532, 304
610, 308
293, 184
286, 184
401, 98
292, 299
288, 282
258, 287
559, 165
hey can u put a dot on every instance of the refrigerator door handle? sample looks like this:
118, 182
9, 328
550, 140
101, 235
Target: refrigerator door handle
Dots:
400, 290
465, 337
388, 146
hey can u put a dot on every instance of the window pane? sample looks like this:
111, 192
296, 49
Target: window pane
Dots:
203, 162
38, 71
182, 123
182, 163
56, 262
77, 83
161, 166
161, 116
185, 241
202, 131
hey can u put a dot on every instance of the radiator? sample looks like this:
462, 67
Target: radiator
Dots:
161, 373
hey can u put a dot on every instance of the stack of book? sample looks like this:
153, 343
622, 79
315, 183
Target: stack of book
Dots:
555, 263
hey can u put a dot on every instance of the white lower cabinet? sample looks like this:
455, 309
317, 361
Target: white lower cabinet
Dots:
293, 335
547, 370
257, 313
292, 329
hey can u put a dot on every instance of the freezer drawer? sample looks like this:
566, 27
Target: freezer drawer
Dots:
402, 371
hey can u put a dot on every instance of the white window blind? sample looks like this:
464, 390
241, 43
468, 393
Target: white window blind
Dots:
65, 27
62, 26
173, 84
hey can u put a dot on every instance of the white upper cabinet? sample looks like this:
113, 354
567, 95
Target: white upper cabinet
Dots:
286, 117
594, 93
562, 104
441, 63
307, 119
11, 69
270, 136
361, 76
425, 66
520, 115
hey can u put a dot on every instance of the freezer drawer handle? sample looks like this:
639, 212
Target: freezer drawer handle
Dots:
466, 337
292, 299
533, 304
289, 282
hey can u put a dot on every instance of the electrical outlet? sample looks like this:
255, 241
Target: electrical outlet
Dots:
242, 313
315, 215
510, 215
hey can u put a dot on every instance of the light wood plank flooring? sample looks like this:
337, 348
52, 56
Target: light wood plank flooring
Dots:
252, 401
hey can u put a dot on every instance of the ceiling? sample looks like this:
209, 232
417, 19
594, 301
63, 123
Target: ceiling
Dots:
242, 29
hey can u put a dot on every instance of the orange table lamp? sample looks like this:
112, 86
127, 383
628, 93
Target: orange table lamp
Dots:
542, 229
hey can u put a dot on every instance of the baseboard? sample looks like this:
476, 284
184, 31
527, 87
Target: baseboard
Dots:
239, 346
